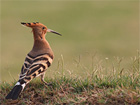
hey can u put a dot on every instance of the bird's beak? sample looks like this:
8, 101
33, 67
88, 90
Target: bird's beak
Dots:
49, 30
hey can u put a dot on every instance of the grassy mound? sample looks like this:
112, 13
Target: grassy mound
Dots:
122, 90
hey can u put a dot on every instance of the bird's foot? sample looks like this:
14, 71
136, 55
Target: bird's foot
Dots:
48, 84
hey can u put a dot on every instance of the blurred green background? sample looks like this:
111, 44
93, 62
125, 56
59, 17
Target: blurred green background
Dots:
93, 32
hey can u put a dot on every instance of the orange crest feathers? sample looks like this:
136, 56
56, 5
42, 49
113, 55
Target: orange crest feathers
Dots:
37, 24
33, 24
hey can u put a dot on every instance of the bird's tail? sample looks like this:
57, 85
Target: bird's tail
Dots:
14, 93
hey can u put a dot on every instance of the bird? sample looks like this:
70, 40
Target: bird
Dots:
37, 60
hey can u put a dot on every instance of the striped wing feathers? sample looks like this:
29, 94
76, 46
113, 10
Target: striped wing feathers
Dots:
34, 66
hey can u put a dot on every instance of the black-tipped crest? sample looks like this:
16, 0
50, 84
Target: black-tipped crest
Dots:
29, 23
23, 23
34, 24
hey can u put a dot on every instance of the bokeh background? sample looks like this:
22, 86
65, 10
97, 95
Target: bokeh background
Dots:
94, 32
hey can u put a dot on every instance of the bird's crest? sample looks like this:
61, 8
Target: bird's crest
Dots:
37, 24
33, 24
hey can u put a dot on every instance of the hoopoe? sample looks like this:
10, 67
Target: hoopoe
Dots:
37, 60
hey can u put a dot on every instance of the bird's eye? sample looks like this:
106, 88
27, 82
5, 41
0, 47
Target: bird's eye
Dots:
43, 28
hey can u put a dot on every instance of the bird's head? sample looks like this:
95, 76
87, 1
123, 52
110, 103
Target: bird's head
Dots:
39, 29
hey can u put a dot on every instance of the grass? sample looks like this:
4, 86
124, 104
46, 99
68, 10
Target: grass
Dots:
95, 88
96, 59
77, 91
107, 28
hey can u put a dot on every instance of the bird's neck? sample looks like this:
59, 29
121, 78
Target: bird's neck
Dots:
40, 43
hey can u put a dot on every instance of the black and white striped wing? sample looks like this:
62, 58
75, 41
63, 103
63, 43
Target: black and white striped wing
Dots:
35, 66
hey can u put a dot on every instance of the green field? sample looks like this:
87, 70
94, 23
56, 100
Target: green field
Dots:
94, 33
100, 40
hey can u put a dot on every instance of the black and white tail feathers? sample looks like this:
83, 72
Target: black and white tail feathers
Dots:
14, 93
33, 67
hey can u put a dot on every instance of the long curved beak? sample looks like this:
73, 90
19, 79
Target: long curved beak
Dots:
49, 30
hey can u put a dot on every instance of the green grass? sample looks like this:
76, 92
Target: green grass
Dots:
108, 28
96, 59
78, 91
94, 88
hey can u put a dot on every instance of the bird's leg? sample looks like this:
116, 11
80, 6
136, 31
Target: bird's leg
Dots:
42, 79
